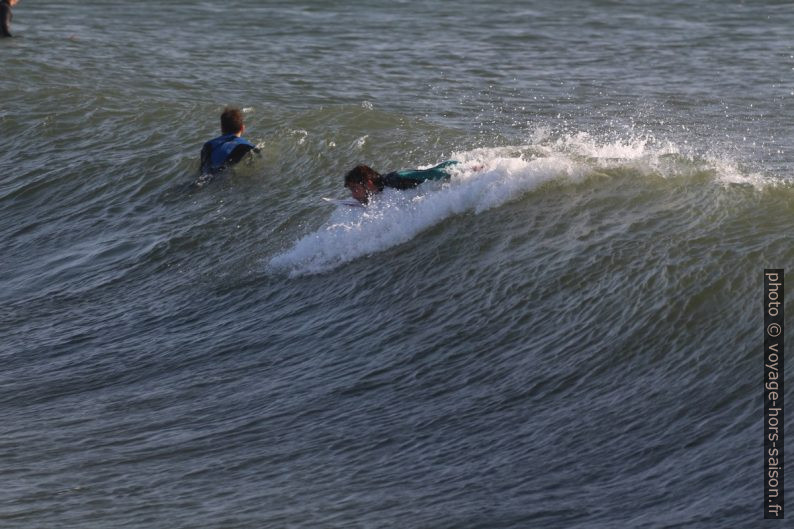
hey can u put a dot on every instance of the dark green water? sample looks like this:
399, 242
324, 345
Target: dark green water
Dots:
567, 333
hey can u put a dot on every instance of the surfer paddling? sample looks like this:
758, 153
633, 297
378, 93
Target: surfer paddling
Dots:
230, 147
363, 181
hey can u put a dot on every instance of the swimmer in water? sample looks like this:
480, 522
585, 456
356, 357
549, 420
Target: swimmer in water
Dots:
6, 16
230, 147
363, 181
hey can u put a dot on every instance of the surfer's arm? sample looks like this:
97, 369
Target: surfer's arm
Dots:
400, 180
239, 152
206, 163
5, 20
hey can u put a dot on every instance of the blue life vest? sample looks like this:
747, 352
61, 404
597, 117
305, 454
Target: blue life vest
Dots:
220, 149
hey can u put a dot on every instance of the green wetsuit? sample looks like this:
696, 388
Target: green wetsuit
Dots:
413, 177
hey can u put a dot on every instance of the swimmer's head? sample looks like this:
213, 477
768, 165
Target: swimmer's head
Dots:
363, 182
232, 121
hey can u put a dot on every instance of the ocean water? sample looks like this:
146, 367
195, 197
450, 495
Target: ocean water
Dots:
566, 334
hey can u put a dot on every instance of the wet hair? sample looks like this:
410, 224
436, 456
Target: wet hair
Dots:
361, 174
231, 120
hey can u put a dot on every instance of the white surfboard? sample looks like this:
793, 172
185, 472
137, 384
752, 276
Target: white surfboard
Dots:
350, 202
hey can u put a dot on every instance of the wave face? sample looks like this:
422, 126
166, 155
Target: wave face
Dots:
566, 333
488, 178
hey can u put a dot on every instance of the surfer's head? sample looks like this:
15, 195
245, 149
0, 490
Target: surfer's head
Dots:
363, 181
232, 121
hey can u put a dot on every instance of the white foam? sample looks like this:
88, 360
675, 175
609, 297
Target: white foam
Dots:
730, 173
487, 178
483, 180
641, 148
301, 134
